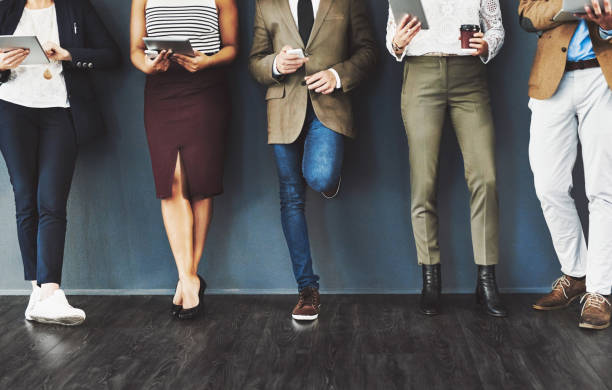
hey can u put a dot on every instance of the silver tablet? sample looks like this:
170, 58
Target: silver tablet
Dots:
402, 8
177, 45
571, 7
37, 55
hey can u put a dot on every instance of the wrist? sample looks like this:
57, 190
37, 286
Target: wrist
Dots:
397, 48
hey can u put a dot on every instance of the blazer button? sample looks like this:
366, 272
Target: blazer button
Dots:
90, 65
78, 64
564, 49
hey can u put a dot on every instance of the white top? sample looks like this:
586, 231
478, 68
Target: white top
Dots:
445, 18
27, 85
293, 5
197, 20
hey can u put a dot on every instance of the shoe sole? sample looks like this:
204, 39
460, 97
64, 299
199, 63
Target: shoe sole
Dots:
550, 308
65, 321
304, 318
584, 325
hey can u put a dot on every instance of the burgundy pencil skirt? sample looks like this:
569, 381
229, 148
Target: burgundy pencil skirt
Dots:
187, 113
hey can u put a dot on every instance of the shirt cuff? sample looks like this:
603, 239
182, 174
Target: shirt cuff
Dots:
275, 71
605, 34
338, 81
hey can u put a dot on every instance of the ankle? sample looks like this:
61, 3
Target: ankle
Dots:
48, 289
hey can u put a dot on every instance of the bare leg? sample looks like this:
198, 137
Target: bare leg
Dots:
202, 213
178, 220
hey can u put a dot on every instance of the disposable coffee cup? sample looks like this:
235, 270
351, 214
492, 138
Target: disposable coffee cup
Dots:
467, 33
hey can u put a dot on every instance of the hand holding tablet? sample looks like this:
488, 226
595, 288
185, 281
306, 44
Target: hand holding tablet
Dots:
10, 47
12, 58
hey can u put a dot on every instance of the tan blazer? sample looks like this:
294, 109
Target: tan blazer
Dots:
341, 38
551, 56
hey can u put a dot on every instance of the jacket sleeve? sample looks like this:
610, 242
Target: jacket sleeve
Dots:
4, 76
537, 15
363, 48
101, 50
261, 59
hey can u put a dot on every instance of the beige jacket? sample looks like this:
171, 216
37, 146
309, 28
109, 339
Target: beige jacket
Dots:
551, 56
341, 38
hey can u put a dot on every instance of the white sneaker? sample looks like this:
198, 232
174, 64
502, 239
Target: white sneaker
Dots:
34, 299
57, 310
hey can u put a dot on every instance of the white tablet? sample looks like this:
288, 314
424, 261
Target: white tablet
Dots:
37, 55
177, 45
402, 8
571, 7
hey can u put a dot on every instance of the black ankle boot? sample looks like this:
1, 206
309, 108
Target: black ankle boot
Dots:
487, 294
432, 288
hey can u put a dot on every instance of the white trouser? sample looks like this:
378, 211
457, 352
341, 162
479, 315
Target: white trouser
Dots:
581, 109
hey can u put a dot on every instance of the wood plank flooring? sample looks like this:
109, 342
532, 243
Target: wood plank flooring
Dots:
250, 342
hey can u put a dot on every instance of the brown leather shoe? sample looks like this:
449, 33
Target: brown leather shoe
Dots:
308, 305
595, 312
565, 290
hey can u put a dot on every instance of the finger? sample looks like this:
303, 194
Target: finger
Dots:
324, 87
596, 7
608, 7
415, 32
313, 78
318, 84
476, 40
290, 57
412, 23
288, 70
13, 54
404, 21
328, 91
478, 35
160, 57
589, 13
296, 62
286, 48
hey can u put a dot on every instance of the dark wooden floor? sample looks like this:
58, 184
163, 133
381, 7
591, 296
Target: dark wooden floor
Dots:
250, 342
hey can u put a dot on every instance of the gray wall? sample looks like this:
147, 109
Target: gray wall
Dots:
361, 242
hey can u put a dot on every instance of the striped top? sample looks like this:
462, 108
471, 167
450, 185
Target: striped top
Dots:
196, 20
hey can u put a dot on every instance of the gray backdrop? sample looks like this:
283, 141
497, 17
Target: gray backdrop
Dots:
362, 241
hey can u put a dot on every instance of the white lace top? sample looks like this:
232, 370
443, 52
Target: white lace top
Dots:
445, 18
27, 85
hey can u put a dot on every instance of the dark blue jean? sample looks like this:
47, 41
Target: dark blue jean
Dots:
40, 150
314, 159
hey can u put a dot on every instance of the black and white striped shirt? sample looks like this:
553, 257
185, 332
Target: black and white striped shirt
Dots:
196, 20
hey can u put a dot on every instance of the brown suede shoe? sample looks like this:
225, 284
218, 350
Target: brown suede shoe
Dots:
595, 312
565, 290
308, 305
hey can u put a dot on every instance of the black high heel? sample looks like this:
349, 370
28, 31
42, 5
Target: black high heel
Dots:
175, 309
190, 314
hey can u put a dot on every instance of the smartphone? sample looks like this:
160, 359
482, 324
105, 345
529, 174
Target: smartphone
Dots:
296, 52
152, 54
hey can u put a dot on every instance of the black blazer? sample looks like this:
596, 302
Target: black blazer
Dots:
83, 34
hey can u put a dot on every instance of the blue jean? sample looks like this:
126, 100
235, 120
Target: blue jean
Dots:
40, 150
314, 159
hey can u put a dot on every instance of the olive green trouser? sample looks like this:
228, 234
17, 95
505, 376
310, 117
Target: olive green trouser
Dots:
431, 86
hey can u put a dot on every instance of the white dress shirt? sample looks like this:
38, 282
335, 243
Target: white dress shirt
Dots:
293, 5
445, 17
